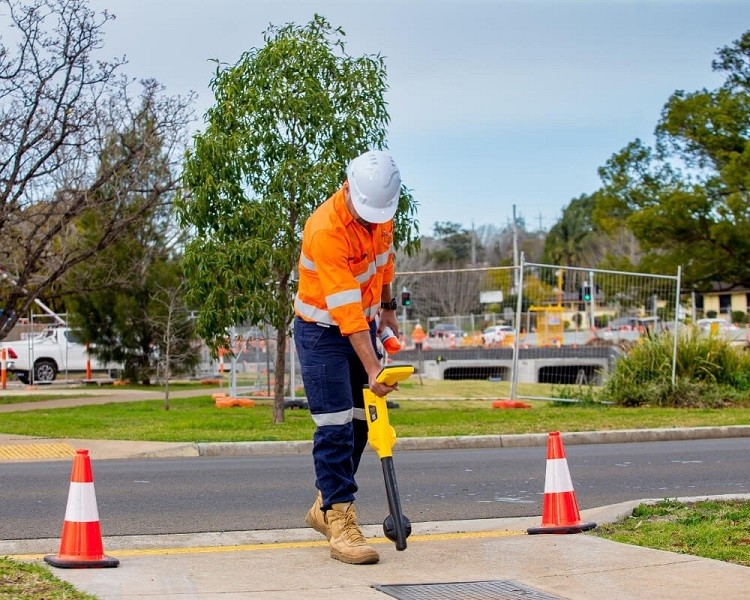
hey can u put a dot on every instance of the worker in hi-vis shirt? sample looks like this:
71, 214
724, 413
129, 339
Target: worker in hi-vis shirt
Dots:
345, 274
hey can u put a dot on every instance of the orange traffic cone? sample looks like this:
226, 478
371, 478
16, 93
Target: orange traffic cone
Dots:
81, 544
559, 509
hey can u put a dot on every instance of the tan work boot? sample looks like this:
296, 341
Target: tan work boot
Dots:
316, 517
347, 542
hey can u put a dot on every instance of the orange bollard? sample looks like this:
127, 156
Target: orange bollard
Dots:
88, 363
3, 368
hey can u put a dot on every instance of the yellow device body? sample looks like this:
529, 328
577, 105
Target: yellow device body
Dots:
380, 433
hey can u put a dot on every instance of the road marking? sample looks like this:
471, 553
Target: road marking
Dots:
428, 537
31, 451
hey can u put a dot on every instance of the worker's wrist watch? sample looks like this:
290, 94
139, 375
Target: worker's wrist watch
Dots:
390, 305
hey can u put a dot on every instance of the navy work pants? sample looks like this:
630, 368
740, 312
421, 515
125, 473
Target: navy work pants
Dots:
334, 378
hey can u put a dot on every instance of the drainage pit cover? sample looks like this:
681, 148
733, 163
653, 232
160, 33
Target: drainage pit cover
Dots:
497, 589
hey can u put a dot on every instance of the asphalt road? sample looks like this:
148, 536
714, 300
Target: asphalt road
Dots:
156, 496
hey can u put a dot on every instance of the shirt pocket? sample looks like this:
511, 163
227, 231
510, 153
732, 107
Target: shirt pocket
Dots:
359, 266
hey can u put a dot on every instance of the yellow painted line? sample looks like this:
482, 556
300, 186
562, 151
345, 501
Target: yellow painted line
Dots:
29, 451
429, 537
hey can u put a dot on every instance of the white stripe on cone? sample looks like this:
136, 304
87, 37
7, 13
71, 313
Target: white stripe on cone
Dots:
81, 506
557, 478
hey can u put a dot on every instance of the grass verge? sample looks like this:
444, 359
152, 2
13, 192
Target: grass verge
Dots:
25, 581
197, 419
711, 529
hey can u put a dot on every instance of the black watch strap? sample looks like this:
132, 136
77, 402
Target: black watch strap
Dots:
391, 305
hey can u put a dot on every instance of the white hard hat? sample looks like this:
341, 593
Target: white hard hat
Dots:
374, 186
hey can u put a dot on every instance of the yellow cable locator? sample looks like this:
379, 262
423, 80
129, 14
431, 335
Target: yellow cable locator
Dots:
381, 435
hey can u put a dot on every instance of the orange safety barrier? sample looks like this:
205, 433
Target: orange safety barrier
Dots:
509, 404
224, 401
88, 363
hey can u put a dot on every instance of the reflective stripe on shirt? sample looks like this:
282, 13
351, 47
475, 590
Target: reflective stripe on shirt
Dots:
345, 297
312, 313
320, 315
380, 261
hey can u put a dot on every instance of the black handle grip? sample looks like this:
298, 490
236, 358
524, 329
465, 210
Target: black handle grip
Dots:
394, 502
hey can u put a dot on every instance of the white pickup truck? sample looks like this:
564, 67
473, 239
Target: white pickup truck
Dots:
53, 350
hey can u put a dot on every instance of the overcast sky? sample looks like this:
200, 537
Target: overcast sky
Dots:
492, 102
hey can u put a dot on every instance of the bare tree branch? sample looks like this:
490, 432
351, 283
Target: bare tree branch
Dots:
75, 136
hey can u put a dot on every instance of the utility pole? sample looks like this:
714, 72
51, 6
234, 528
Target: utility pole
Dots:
473, 245
515, 251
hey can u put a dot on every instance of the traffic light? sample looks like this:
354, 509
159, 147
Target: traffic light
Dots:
405, 298
585, 292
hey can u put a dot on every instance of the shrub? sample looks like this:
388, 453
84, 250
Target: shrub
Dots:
710, 372
580, 395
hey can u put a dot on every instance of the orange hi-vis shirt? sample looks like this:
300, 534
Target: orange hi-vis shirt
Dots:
343, 267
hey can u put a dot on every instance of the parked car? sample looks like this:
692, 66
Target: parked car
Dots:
724, 329
634, 323
442, 330
718, 326
496, 334
53, 350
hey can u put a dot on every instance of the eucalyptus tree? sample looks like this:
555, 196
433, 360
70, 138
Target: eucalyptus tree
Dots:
287, 117
565, 243
686, 200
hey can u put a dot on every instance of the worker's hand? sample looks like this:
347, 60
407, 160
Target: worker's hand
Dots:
380, 389
388, 319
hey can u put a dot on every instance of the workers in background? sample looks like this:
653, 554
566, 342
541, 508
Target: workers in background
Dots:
417, 336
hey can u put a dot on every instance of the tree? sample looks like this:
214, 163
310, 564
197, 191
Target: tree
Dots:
286, 119
172, 325
567, 238
455, 245
687, 200
116, 306
60, 107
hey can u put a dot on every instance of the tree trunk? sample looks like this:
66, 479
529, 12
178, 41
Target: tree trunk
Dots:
278, 387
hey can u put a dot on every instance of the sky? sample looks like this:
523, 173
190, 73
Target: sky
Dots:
493, 103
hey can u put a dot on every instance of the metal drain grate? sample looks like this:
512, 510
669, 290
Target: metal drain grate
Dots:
497, 589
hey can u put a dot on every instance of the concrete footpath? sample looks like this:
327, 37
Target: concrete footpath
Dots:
443, 561
492, 558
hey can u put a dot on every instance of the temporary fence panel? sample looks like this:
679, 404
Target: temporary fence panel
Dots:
468, 317
530, 330
248, 364
577, 322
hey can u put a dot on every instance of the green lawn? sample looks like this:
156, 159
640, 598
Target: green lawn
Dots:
711, 529
24, 581
198, 420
